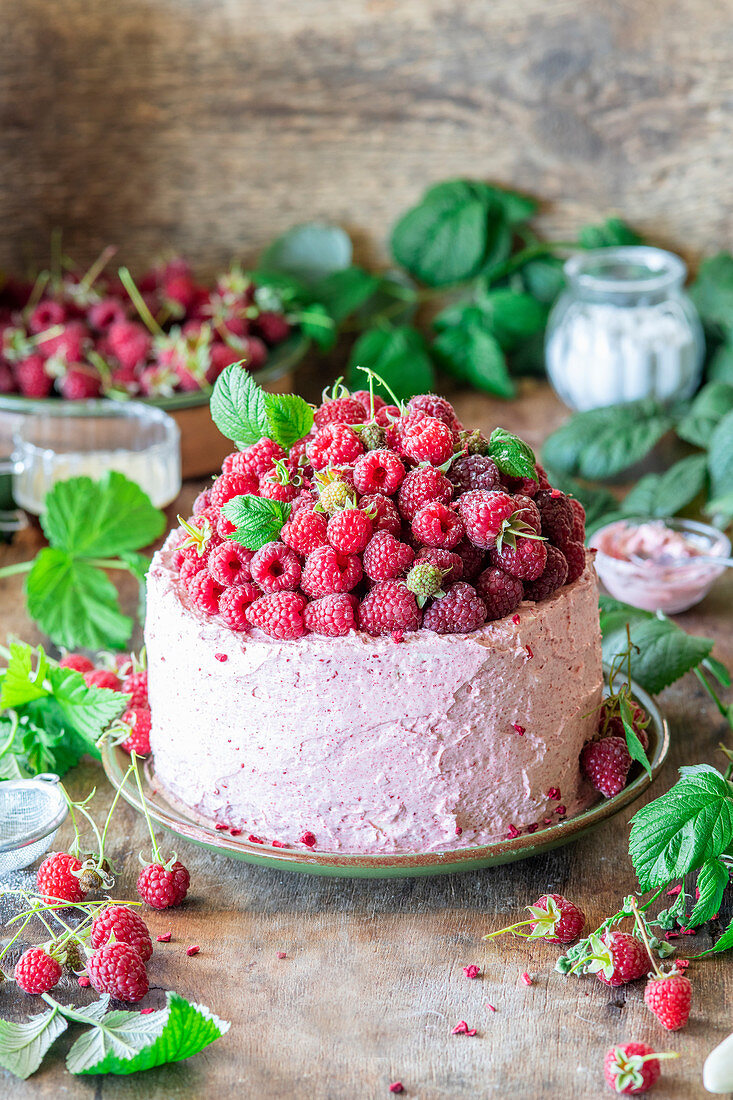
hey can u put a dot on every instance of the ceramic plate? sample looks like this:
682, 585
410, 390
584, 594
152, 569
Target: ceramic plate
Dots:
394, 865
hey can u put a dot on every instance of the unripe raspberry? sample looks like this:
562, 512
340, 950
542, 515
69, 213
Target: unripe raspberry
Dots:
425, 580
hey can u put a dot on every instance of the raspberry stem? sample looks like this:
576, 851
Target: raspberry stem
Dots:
157, 857
139, 302
510, 928
641, 926
372, 375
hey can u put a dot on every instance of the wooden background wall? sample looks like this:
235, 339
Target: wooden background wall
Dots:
210, 125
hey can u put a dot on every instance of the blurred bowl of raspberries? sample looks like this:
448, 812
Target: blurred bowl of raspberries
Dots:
162, 339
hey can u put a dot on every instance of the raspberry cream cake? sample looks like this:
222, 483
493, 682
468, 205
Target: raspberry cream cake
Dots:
384, 639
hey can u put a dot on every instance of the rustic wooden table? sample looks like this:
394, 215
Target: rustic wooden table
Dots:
373, 981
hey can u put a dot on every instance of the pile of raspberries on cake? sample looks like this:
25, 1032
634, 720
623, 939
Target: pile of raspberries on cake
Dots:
397, 522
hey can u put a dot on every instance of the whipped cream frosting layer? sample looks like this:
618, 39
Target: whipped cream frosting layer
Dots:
374, 745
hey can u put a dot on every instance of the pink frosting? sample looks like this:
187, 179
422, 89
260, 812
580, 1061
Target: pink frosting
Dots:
372, 745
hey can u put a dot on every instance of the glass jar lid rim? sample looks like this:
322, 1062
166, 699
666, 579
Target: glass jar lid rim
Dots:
593, 269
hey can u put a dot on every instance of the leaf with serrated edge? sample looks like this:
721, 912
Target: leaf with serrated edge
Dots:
723, 943
238, 406
711, 882
20, 683
24, 1045
75, 603
88, 709
511, 454
664, 652
100, 518
258, 520
634, 745
665, 494
289, 418
707, 410
720, 457
602, 442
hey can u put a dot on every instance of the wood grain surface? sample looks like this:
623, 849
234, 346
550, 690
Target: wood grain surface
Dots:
210, 125
373, 981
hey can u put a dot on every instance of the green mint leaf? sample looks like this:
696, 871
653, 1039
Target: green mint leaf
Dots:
665, 494
398, 355
122, 1042
665, 651
634, 745
100, 518
602, 442
720, 458
343, 292
712, 293
512, 455
473, 355
238, 406
723, 943
75, 603
308, 252
20, 683
711, 882
609, 234
705, 413
23, 1045
684, 828
289, 418
257, 519
458, 228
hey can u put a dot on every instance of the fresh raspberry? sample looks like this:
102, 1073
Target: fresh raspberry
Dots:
224, 527
129, 342
80, 383
334, 492
343, 410
527, 486
229, 563
69, 346
260, 457
390, 607
203, 592
275, 568
369, 403
233, 603
437, 525
162, 888
117, 969
526, 559
501, 593
279, 614
372, 436
334, 445
543, 482
47, 314
450, 563
562, 923
77, 662
669, 998
232, 485
56, 881
36, 971
125, 925
472, 558
460, 611
420, 487
386, 415
578, 532
552, 577
558, 517
379, 471
611, 725
7, 380
277, 486
103, 678
386, 557
349, 530
528, 513
137, 719
237, 463
436, 407
606, 764
202, 502
272, 327
305, 531
190, 566
326, 571
575, 557
474, 472
396, 425
485, 513
425, 580
32, 378
430, 440
102, 315
631, 1068
621, 959
332, 615
305, 501
135, 684
383, 511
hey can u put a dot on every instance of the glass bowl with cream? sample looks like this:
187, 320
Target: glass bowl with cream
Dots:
660, 564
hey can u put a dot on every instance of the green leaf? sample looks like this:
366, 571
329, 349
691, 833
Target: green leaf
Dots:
20, 684
684, 828
343, 292
89, 710
711, 882
75, 603
289, 418
238, 406
712, 293
717, 669
665, 651
720, 367
512, 455
544, 278
723, 943
458, 228
258, 520
634, 745
720, 457
317, 323
602, 442
512, 316
665, 494
23, 1045
720, 507
122, 1042
309, 252
398, 355
610, 234
707, 410
473, 355
100, 518
517, 208
394, 301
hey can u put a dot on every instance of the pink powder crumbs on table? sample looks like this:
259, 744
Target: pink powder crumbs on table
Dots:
526, 979
560, 810
398, 636
462, 1028
674, 891
193, 950
396, 1086
513, 832
282, 955
472, 971
146, 1011
682, 964
84, 982
519, 729
221, 657
165, 938
515, 620
491, 1008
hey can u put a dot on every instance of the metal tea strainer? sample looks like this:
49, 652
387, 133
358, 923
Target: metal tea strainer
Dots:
31, 811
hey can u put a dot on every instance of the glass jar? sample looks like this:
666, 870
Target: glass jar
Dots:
624, 329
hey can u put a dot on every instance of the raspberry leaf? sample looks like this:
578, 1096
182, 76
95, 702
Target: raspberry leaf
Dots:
601, 442
633, 744
308, 252
343, 292
74, 602
398, 355
473, 355
665, 494
712, 293
238, 406
100, 518
20, 683
720, 458
707, 410
511, 454
661, 651
608, 234
258, 520
289, 418
711, 882
24, 1044
723, 943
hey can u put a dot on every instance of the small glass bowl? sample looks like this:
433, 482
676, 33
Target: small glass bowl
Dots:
75, 439
670, 587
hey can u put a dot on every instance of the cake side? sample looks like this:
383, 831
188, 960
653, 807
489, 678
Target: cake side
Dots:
436, 742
